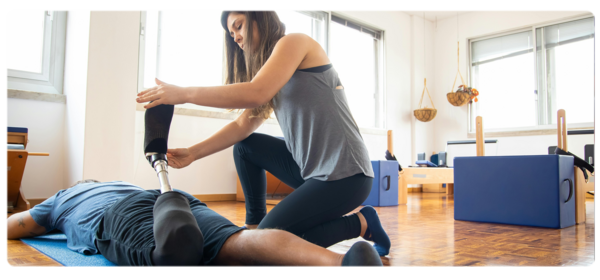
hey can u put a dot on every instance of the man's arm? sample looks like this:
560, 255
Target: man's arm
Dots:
22, 225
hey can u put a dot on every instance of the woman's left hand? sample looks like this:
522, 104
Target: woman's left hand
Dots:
163, 93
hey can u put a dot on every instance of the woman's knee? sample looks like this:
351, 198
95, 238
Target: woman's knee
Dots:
241, 147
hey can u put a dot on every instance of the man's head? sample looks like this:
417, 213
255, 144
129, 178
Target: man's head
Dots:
85, 182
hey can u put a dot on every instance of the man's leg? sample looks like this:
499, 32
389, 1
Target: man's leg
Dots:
278, 247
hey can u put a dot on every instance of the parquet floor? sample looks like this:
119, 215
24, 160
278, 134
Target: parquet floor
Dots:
424, 233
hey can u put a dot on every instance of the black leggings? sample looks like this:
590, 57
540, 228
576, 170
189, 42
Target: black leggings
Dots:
314, 211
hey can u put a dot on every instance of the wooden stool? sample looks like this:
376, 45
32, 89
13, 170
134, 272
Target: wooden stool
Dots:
16, 161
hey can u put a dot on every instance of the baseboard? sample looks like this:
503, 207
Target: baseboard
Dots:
215, 197
419, 189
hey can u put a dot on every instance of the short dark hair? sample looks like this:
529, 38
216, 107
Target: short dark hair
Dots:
85, 182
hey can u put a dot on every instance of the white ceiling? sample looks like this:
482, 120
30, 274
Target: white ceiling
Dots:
431, 15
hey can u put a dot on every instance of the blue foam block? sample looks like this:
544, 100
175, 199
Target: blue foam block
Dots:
55, 247
17, 129
519, 190
385, 184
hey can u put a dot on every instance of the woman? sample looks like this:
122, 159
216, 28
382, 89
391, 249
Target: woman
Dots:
323, 156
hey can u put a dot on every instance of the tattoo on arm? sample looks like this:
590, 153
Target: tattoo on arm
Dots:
21, 223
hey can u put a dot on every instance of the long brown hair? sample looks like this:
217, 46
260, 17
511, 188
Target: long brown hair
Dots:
242, 67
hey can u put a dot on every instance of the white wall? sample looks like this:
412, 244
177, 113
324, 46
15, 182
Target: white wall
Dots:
110, 96
43, 176
451, 122
422, 65
75, 87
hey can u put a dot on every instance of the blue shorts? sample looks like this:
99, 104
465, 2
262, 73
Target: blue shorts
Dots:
125, 234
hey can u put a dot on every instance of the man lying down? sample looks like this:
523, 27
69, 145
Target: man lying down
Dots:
132, 226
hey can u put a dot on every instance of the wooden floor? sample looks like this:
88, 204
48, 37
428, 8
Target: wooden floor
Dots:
424, 233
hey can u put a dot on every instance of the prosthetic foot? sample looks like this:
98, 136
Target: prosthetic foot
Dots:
157, 122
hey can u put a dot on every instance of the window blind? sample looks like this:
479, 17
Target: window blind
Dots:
568, 32
497, 48
374, 33
321, 16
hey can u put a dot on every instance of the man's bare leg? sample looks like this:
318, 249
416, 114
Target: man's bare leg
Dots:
363, 224
274, 247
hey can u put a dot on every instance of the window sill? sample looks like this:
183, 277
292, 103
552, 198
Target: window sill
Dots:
232, 116
37, 96
531, 131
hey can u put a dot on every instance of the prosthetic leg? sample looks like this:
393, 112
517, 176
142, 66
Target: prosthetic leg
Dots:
178, 238
157, 122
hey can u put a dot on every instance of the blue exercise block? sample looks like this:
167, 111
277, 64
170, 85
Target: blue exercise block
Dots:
519, 190
385, 184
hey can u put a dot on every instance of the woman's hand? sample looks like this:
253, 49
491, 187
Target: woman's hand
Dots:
163, 93
179, 158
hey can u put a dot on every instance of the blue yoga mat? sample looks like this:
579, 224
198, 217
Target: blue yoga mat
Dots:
55, 247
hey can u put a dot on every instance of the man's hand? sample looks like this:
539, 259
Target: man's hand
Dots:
163, 93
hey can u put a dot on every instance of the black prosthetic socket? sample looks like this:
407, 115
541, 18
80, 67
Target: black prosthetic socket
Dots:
178, 238
157, 121
361, 254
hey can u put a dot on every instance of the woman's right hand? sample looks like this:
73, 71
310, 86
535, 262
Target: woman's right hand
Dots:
179, 158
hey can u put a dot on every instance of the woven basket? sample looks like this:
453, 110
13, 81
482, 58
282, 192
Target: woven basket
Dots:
458, 98
425, 114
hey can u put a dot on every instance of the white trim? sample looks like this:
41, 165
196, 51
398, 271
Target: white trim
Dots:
37, 96
587, 125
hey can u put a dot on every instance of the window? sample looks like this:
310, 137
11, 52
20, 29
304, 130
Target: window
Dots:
524, 87
311, 23
35, 59
186, 48
502, 70
565, 58
355, 53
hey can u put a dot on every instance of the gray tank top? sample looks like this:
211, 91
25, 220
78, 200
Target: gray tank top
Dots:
319, 129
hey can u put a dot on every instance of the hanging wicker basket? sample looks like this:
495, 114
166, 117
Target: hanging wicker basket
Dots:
458, 98
425, 114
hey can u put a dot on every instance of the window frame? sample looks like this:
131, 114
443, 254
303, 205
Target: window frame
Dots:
542, 114
50, 80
